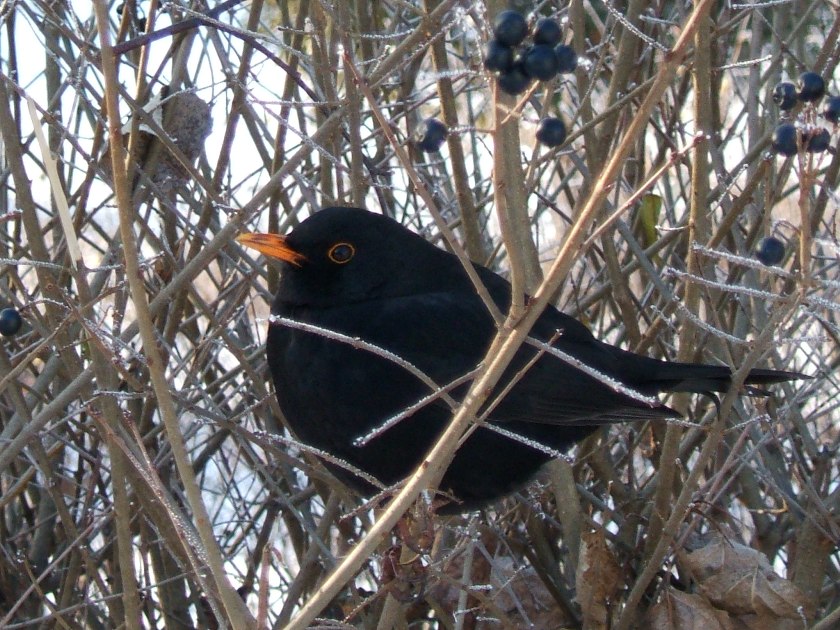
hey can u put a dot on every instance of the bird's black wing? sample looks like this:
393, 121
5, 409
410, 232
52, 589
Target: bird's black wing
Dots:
584, 391
447, 334
557, 392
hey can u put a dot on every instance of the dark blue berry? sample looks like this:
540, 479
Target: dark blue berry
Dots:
784, 139
540, 62
818, 140
551, 132
510, 28
770, 251
497, 56
10, 322
811, 87
784, 95
514, 81
566, 58
832, 110
547, 32
434, 135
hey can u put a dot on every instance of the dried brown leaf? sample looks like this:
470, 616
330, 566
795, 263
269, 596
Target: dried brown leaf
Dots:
740, 580
685, 611
513, 598
765, 622
599, 578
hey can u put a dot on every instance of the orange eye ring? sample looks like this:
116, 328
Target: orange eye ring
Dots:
341, 253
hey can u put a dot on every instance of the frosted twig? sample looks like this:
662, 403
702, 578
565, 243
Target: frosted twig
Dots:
717, 332
411, 409
521, 439
612, 383
356, 342
337, 461
745, 64
729, 288
633, 29
741, 260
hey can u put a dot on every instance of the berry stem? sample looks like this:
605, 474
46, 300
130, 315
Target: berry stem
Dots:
806, 185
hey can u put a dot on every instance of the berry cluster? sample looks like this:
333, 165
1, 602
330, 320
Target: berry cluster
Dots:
788, 137
518, 64
804, 134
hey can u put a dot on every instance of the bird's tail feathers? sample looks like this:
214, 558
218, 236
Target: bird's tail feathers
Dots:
701, 379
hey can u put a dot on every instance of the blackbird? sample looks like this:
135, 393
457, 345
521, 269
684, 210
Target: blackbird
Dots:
367, 277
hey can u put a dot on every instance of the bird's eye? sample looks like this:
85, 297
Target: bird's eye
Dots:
341, 253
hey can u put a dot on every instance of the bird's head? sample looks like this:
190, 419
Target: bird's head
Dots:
343, 255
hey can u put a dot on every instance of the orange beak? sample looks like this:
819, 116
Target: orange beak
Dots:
272, 245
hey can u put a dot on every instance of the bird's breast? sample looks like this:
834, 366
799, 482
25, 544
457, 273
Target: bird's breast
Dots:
336, 379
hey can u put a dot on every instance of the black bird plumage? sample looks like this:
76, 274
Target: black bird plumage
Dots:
366, 276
